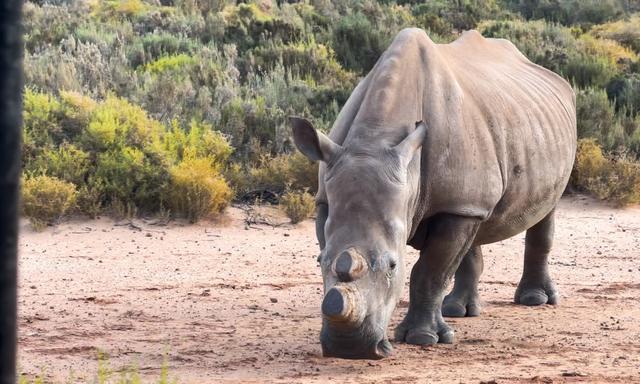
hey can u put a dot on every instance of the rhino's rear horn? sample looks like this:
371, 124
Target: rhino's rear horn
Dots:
349, 266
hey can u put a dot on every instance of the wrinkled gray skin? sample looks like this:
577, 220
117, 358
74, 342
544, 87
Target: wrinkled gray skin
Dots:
489, 158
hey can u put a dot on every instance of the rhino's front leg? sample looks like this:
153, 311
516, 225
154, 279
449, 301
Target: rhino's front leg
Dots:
448, 239
464, 299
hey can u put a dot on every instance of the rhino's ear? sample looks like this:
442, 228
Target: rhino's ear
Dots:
408, 147
312, 143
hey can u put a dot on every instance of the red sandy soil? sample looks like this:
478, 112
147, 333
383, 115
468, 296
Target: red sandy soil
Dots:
230, 303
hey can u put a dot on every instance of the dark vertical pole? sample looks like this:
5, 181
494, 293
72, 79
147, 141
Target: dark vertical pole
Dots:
10, 129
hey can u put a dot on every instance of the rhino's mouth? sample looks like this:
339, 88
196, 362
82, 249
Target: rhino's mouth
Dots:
343, 338
349, 348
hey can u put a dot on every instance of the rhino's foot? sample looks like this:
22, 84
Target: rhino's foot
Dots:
461, 304
412, 331
536, 294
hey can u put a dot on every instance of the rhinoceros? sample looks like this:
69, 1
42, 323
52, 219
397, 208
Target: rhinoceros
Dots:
444, 147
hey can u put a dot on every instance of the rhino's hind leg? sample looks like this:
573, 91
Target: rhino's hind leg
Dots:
464, 299
448, 240
536, 287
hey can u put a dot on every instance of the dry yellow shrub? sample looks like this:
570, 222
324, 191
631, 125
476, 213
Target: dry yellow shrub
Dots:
590, 162
297, 205
616, 180
197, 189
46, 199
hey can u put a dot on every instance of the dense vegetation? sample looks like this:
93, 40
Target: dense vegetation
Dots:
136, 107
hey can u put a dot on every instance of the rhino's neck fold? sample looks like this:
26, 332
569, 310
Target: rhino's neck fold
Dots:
393, 100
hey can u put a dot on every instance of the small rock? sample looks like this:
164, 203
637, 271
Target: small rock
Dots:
572, 374
273, 300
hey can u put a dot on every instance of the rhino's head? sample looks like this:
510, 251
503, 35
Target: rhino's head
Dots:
369, 196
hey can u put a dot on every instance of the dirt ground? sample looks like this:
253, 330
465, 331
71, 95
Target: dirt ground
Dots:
230, 303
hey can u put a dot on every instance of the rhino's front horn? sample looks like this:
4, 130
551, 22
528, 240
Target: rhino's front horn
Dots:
343, 304
349, 266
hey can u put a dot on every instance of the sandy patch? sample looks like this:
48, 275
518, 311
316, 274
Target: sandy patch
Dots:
232, 303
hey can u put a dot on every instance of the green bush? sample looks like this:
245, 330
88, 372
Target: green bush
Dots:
625, 91
90, 200
236, 176
619, 56
595, 114
626, 32
634, 138
276, 174
120, 92
590, 12
197, 189
66, 162
153, 46
119, 8
271, 173
116, 123
464, 14
361, 35
131, 178
255, 125
584, 61
50, 24
303, 60
131, 166
249, 24
569, 12
77, 110
358, 43
198, 141
297, 205
41, 112
589, 71
46, 199
169, 63
431, 22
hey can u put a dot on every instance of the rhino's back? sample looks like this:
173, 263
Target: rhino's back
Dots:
528, 112
502, 132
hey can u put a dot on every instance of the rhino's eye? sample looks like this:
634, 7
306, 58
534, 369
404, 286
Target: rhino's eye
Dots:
392, 265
